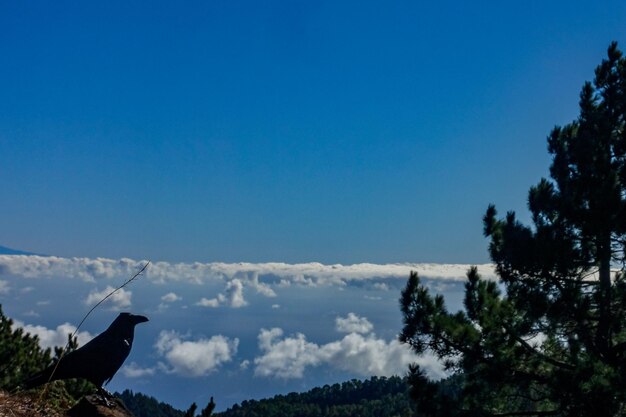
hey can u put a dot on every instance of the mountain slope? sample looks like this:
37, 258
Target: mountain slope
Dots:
145, 406
377, 396
8, 251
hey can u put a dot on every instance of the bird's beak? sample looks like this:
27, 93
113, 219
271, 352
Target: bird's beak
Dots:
139, 319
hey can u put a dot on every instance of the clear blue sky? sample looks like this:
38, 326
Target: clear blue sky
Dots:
292, 131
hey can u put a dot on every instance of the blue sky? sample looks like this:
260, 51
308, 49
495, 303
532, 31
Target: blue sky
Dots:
283, 164
293, 131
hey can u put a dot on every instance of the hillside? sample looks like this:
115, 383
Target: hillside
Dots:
9, 251
142, 405
377, 396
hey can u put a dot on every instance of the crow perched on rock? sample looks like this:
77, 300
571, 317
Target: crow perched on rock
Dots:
99, 359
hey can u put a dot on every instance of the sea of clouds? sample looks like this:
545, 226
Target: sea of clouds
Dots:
308, 274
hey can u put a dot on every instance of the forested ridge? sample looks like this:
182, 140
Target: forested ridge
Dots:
142, 405
377, 396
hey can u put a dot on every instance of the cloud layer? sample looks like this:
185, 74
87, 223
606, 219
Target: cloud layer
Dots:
256, 275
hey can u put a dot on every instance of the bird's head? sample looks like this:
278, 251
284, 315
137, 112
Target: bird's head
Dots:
128, 319
124, 324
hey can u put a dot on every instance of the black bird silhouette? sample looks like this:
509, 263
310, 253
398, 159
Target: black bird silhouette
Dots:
99, 359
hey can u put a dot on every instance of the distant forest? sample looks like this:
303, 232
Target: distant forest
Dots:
145, 406
377, 396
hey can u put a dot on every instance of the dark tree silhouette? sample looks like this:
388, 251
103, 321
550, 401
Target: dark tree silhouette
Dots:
20, 354
374, 397
208, 410
142, 405
191, 411
550, 337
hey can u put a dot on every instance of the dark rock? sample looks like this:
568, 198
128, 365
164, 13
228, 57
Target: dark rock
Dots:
95, 406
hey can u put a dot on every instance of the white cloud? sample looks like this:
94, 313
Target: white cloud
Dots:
284, 283
49, 338
260, 287
233, 296
318, 274
194, 358
304, 281
121, 299
133, 370
275, 306
86, 269
252, 274
439, 286
213, 302
373, 298
353, 324
4, 287
171, 297
363, 354
381, 286
167, 299
367, 355
285, 358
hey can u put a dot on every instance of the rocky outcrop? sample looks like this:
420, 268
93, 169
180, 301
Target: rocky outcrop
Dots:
26, 405
32, 405
95, 406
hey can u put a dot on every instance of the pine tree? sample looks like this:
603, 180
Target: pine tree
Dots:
208, 410
191, 411
20, 354
550, 337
